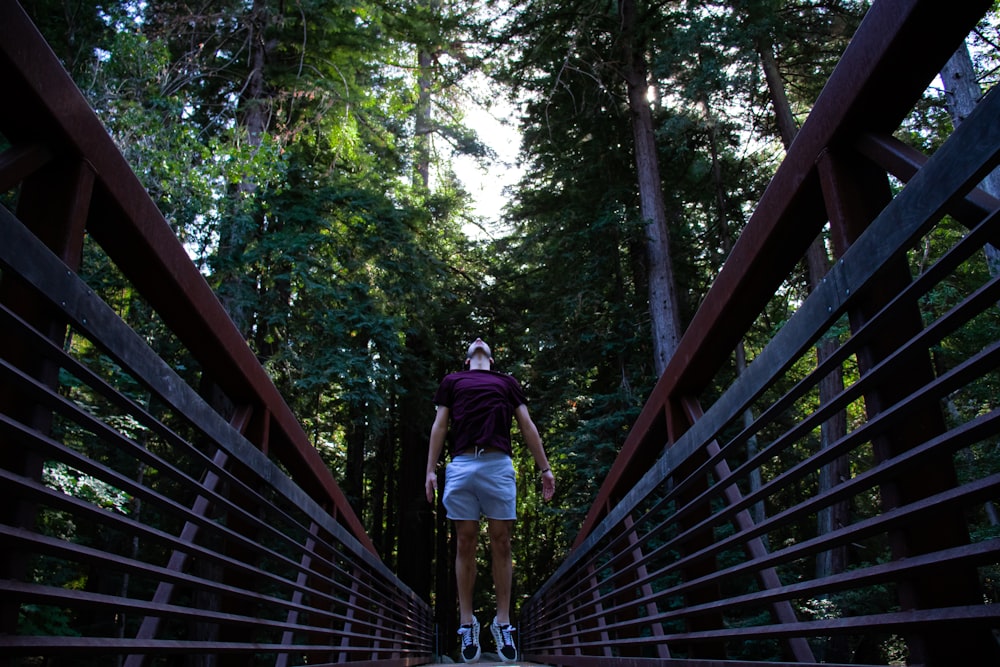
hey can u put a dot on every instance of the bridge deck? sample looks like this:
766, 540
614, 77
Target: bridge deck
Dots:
492, 663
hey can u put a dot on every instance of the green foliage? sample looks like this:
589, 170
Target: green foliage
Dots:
86, 487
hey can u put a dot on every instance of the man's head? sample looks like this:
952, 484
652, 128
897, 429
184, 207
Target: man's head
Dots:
479, 355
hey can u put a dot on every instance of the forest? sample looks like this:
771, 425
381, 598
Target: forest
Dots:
318, 158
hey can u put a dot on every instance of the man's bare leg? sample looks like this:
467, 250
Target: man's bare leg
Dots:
467, 534
503, 566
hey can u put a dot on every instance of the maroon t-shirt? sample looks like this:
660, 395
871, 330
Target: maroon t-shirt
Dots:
481, 405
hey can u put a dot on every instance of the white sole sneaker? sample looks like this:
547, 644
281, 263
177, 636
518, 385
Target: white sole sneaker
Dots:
502, 635
470, 649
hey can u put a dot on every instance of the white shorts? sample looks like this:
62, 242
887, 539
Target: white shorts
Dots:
480, 485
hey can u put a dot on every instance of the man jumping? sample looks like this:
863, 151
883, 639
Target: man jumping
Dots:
474, 412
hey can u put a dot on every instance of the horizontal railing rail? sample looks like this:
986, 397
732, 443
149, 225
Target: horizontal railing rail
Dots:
794, 519
141, 516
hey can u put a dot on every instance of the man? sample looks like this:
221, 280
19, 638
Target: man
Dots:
478, 405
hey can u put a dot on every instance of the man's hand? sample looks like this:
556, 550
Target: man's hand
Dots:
548, 485
431, 485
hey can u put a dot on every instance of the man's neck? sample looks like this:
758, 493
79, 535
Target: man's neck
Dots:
478, 365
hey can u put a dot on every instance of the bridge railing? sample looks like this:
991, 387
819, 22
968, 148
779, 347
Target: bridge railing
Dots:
834, 503
148, 509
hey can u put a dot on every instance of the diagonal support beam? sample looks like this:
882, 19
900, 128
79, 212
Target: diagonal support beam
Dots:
178, 559
768, 577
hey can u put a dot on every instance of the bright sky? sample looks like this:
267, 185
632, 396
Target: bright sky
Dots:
496, 128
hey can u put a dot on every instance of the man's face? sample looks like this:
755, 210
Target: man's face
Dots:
478, 346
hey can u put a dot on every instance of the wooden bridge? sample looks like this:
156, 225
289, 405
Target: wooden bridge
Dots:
256, 557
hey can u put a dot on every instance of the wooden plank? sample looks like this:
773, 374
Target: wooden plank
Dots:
490, 663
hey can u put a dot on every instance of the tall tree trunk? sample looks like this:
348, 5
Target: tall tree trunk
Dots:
722, 209
415, 517
423, 127
963, 93
818, 262
254, 106
663, 301
787, 127
355, 435
377, 496
239, 227
836, 515
423, 122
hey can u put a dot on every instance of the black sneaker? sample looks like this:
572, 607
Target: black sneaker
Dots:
504, 636
469, 635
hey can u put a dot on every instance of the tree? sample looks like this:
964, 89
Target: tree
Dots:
664, 304
599, 58
761, 16
962, 94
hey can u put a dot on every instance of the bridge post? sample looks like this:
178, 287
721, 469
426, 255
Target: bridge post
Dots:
705, 595
662, 650
855, 192
599, 608
53, 203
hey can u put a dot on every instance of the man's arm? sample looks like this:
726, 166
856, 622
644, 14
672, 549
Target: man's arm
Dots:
438, 432
534, 442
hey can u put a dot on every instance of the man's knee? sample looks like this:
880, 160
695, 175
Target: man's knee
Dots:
500, 532
501, 548
467, 538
